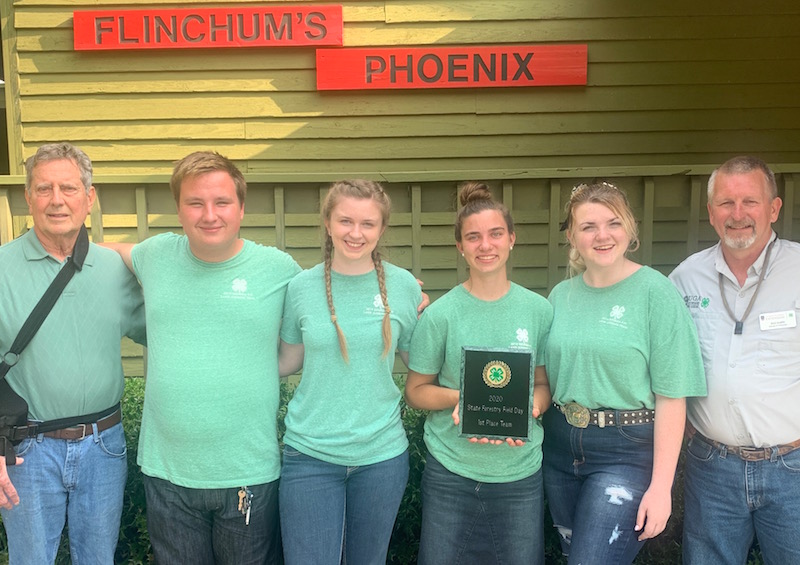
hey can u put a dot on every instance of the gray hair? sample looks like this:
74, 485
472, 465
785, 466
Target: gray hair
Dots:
56, 152
742, 165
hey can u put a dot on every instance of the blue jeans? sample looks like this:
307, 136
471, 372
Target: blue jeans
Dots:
80, 481
205, 526
727, 501
332, 513
594, 479
465, 521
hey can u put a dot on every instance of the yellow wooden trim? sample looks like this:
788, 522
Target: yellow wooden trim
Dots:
553, 244
693, 235
280, 218
646, 233
142, 225
96, 222
416, 230
789, 196
11, 88
6, 224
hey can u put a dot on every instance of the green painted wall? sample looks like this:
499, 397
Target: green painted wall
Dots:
670, 83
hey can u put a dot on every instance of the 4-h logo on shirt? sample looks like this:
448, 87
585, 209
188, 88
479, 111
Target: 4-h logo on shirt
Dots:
617, 312
705, 302
239, 285
522, 335
377, 302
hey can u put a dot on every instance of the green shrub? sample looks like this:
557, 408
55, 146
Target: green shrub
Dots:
134, 542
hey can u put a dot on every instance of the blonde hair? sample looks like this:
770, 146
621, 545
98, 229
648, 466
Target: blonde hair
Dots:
361, 189
612, 198
201, 163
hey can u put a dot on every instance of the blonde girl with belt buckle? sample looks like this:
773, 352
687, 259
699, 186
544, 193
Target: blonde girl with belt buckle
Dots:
345, 460
482, 500
621, 357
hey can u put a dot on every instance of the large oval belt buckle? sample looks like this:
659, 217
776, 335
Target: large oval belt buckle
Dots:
576, 415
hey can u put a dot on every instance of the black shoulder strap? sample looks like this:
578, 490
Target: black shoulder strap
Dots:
46, 302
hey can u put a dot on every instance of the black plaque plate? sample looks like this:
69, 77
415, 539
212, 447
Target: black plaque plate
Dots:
496, 393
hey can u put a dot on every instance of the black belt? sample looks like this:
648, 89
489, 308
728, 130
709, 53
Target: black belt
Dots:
580, 416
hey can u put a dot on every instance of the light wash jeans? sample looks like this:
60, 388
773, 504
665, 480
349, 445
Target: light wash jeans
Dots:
82, 481
469, 522
333, 514
205, 527
594, 479
728, 501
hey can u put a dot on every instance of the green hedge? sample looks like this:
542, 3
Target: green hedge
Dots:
134, 542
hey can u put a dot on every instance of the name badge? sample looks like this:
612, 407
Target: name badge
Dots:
777, 320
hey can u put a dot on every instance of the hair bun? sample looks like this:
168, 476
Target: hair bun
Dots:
474, 191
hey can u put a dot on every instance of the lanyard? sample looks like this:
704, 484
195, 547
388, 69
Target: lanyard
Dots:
737, 330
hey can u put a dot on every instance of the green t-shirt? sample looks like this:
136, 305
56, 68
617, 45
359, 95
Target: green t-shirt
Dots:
615, 347
72, 365
518, 321
212, 392
348, 413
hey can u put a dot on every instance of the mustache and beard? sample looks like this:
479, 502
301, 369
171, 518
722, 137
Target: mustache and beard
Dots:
740, 240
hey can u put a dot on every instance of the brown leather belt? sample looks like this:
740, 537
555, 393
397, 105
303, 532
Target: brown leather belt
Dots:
580, 416
82, 430
745, 453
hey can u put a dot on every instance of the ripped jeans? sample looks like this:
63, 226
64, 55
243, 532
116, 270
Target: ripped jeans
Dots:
594, 479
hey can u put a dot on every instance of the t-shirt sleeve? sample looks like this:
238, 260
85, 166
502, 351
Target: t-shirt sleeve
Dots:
676, 364
290, 326
545, 321
412, 296
427, 352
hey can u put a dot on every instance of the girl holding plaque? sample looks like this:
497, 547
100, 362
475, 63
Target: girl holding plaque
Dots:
345, 460
622, 355
481, 498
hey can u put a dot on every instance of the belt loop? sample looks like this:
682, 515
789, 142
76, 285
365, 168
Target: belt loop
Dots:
723, 451
773, 456
601, 419
95, 432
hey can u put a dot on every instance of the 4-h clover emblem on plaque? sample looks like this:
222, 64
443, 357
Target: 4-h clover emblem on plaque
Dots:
496, 374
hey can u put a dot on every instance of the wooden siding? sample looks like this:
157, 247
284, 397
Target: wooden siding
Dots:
671, 209
680, 83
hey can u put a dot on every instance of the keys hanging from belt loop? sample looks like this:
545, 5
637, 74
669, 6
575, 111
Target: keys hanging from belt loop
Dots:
245, 502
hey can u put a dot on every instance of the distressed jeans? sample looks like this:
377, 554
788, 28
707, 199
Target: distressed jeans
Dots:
728, 501
80, 481
468, 522
594, 479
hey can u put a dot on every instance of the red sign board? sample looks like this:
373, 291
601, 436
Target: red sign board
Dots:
208, 27
451, 67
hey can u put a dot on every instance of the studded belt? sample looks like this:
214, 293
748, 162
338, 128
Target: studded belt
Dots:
746, 453
580, 416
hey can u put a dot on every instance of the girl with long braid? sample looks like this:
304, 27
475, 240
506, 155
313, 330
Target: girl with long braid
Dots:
345, 460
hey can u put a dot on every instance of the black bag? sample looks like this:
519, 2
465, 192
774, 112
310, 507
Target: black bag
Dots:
14, 408
13, 413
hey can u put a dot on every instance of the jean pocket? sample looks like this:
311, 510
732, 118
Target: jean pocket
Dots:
700, 450
24, 446
289, 451
791, 461
112, 442
641, 434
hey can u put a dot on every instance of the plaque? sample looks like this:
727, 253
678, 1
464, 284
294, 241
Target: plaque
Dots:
496, 393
